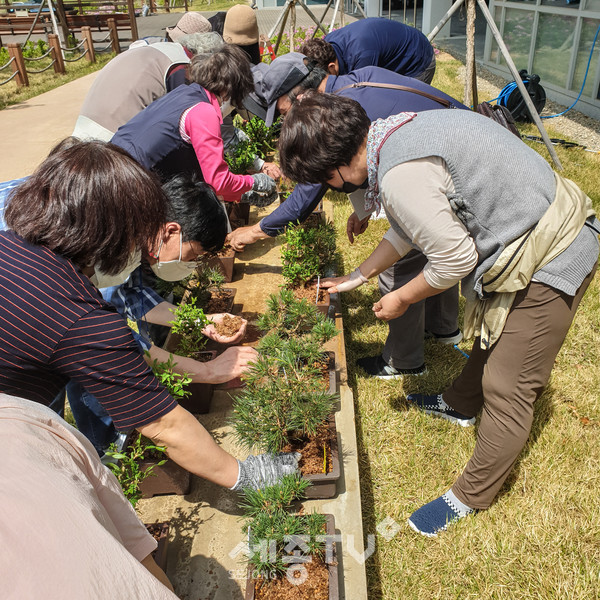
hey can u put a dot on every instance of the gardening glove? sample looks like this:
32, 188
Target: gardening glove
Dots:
264, 470
260, 199
356, 279
263, 184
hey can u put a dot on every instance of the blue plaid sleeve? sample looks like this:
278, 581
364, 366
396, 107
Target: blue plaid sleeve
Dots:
133, 300
6, 188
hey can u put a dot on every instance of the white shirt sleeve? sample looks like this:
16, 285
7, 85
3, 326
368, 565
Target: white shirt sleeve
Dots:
415, 194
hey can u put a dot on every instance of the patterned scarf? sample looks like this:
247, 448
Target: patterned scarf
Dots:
379, 132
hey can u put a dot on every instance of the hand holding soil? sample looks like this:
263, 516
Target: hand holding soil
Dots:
231, 364
226, 328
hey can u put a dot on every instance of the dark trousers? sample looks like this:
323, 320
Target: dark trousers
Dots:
504, 383
404, 347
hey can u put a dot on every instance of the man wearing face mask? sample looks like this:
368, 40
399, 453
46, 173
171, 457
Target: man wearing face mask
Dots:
381, 93
65, 222
180, 132
172, 258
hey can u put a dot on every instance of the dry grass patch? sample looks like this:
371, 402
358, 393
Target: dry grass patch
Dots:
541, 537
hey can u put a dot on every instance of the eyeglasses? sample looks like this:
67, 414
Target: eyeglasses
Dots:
347, 186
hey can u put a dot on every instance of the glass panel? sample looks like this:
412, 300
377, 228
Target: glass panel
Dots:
494, 46
562, 3
553, 49
592, 5
517, 35
588, 31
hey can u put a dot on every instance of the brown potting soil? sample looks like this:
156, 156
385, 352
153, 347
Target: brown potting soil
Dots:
309, 291
226, 250
315, 451
229, 326
323, 366
313, 220
218, 302
202, 357
316, 586
155, 530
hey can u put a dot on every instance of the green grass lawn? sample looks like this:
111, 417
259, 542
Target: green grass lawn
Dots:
541, 537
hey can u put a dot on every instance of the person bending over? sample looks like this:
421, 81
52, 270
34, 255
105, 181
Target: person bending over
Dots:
65, 222
522, 239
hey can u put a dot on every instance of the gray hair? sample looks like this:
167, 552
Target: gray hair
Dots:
202, 43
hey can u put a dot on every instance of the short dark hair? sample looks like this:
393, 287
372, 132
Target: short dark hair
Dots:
226, 73
320, 51
195, 206
320, 133
90, 202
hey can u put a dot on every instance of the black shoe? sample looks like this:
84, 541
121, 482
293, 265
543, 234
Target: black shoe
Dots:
435, 406
375, 366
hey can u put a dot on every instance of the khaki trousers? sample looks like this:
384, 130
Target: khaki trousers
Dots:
504, 383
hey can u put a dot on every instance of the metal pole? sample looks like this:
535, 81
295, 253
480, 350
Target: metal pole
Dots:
282, 14
470, 98
445, 19
515, 73
335, 12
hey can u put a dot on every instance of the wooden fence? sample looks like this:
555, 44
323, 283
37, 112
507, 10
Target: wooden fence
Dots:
58, 54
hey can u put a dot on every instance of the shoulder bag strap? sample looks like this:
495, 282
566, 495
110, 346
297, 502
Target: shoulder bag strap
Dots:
402, 88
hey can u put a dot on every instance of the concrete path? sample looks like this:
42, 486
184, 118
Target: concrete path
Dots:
30, 129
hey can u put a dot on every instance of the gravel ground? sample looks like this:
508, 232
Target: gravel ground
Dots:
574, 126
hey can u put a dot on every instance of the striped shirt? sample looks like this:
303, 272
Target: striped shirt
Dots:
55, 326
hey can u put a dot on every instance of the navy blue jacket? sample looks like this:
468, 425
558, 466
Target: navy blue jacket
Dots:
379, 104
152, 137
378, 42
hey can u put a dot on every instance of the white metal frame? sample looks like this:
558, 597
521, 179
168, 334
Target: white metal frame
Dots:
564, 95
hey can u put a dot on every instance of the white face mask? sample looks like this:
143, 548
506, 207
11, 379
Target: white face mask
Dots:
226, 108
173, 270
102, 280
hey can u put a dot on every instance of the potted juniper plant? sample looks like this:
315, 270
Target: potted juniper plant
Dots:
309, 254
186, 339
290, 555
141, 456
240, 159
131, 470
288, 402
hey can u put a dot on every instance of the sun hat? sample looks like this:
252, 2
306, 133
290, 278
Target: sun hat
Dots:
191, 22
284, 74
241, 27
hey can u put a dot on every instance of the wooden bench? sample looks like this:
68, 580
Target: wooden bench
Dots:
22, 25
98, 21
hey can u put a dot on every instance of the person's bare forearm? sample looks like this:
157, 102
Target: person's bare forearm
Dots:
232, 363
383, 257
199, 372
161, 314
192, 447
